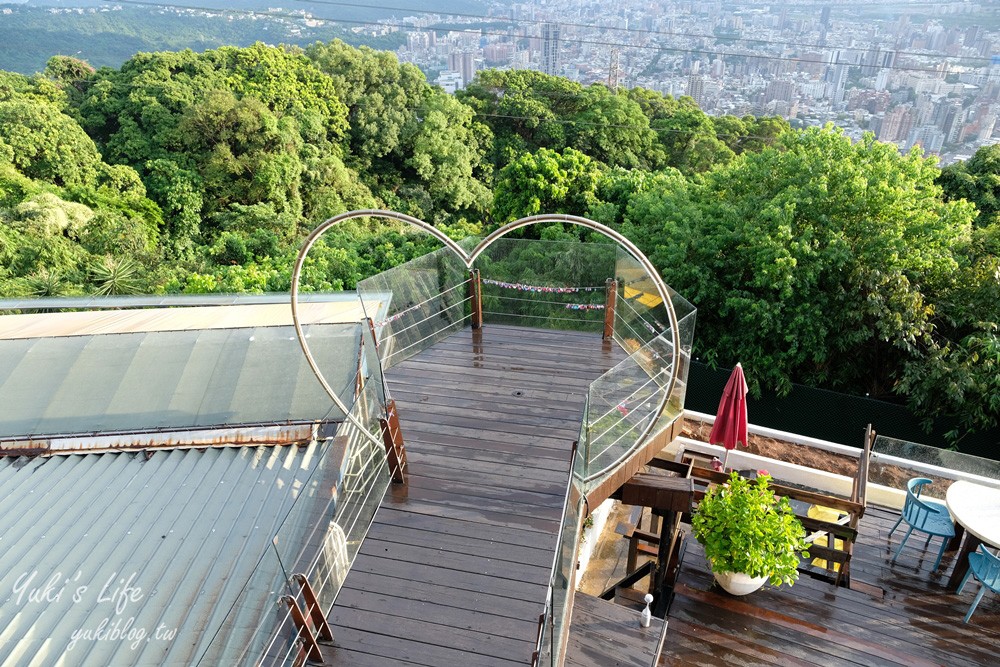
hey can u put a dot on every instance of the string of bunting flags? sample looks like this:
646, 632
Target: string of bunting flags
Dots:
393, 318
544, 289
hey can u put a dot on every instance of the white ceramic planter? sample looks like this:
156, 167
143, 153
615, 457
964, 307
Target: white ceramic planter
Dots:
737, 583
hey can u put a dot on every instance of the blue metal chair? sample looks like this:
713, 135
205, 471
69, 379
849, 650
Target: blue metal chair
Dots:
986, 567
930, 518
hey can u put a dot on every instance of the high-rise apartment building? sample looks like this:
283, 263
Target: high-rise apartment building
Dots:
550, 48
897, 124
696, 89
463, 62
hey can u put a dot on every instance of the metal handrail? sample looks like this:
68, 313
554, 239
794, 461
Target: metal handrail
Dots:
559, 541
659, 644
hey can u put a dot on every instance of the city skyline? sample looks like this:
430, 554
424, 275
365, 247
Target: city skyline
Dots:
908, 77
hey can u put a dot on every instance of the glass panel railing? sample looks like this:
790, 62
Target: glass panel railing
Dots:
316, 541
640, 314
625, 402
685, 327
416, 304
562, 582
546, 284
894, 462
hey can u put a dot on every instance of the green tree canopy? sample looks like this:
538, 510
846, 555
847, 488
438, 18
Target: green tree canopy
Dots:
47, 144
546, 182
976, 180
227, 127
528, 110
817, 261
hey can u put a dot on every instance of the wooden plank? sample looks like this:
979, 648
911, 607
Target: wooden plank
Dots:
498, 465
393, 606
514, 421
795, 637
539, 554
430, 637
741, 650
470, 487
431, 386
478, 563
658, 492
542, 450
473, 602
431, 574
604, 633
415, 395
389, 517
440, 505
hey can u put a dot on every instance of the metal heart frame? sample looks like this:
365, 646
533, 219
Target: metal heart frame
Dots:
469, 259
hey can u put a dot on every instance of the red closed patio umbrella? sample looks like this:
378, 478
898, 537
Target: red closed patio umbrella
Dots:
730, 427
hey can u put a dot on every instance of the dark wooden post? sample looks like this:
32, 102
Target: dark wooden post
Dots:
309, 644
359, 380
313, 609
610, 301
476, 294
371, 327
392, 438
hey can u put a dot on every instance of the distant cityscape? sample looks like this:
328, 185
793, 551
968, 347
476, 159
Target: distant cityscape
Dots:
912, 73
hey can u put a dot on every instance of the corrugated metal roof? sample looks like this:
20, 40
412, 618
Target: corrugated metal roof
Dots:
159, 548
180, 379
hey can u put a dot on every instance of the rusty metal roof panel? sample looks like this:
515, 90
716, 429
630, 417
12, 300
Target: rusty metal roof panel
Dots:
142, 381
126, 559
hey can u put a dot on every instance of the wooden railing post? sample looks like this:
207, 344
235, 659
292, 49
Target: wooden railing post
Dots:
371, 328
476, 296
313, 609
309, 643
359, 380
392, 438
610, 300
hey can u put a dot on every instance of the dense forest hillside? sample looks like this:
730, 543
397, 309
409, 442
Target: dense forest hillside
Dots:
107, 35
812, 259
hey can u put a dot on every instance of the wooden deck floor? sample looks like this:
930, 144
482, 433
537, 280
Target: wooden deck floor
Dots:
455, 567
916, 623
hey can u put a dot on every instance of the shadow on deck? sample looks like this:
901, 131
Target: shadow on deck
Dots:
455, 567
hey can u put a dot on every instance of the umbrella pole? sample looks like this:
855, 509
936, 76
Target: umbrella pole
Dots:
725, 458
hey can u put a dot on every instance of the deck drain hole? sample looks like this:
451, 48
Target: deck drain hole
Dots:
518, 393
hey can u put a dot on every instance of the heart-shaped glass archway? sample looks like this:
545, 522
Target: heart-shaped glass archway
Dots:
469, 258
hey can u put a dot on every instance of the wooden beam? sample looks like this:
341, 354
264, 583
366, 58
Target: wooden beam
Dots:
314, 610
392, 438
610, 301
659, 492
304, 633
476, 296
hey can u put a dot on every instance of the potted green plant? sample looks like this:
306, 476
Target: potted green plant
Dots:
749, 535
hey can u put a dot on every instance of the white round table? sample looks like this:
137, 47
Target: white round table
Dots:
977, 509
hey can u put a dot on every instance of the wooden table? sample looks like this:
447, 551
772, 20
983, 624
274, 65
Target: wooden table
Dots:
977, 509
